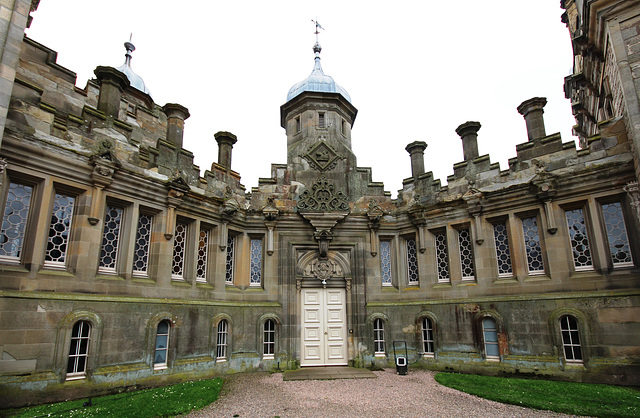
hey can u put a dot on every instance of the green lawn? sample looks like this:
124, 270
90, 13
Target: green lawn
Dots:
158, 402
565, 397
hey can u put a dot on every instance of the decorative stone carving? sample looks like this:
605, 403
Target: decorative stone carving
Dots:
544, 186
105, 166
633, 191
322, 197
323, 269
375, 213
3, 166
322, 157
270, 213
473, 197
178, 187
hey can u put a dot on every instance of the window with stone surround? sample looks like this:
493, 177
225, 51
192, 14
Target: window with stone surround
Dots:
466, 254
14, 222
222, 340
412, 261
298, 124
162, 345
617, 237
490, 338
78, 351
59, 231
179, 250
428, 348
378, 337
255, 264
111, 239
385, 262
142, 245
532, 246
503, 252
203, 253
571, 339
442, 256
230, 259
269, 339
321, 120
579, 240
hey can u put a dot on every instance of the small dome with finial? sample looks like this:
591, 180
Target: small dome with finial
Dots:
317, 81
136, 81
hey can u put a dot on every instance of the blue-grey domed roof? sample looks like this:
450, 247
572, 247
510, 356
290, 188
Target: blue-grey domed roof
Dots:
136, 81
317, 81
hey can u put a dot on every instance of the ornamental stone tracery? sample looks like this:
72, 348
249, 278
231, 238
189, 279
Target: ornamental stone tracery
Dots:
322, 197
322, 157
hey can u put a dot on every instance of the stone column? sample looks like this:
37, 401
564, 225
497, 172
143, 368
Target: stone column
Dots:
532, 111
112, 83
468, 132
225, 145
176, 115
416, 151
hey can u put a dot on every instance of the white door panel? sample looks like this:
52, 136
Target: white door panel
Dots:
323, 327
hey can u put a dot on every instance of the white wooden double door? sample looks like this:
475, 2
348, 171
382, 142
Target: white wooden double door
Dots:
324, 327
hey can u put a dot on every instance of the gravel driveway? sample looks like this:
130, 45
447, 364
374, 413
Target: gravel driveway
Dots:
390, 395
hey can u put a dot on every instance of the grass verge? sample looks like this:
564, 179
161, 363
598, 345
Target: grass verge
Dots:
156, 402
565, 397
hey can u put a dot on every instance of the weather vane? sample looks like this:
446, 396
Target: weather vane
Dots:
318, 26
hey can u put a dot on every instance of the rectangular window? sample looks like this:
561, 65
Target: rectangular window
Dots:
378, 337
617, 237
466, 254
490, 334
162, 346
343, 127
228, 279
269, 339
298, 124
78, 350
14, 222
321, 121
59, 230
442, 257
385, 262
579, 240
427, 337
503, 253
412, 262
142, 246
179, 247
535, 263
221, 346
203, 251
571, 339
110, 240
255, 265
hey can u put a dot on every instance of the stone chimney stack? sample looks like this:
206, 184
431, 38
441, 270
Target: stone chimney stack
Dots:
532, 111
225, 145
112, 84
176, 115
416, 151
468, 132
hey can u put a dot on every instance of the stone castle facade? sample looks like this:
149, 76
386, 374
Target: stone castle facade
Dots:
123, 266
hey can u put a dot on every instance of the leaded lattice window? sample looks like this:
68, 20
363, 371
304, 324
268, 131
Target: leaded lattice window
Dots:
221, 346
203, 250
619, 248
571, 339
490, 334
427, 336
442, 257
228, 278
385, 262
14, 222
412, 261
466, 254
503, 253
59, 230
269, 339
179, 245
162, 345
255, 265
110, 239
579, 240
535, 263
78, 350
378, 336
142, 245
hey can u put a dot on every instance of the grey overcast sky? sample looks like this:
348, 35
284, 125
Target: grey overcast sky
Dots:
415, 70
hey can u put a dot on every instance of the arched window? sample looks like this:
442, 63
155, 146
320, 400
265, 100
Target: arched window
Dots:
427, 336
269, 339
79, 350
221, 346
378, 337
571, 339
162, 345
490, 337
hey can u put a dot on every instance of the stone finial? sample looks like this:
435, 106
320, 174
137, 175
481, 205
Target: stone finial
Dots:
532, 111
468, 132
112, 83
176, 115
225, 145
416, 151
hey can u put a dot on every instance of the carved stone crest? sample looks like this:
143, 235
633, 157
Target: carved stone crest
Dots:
322, 157
322, 197
323, 269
